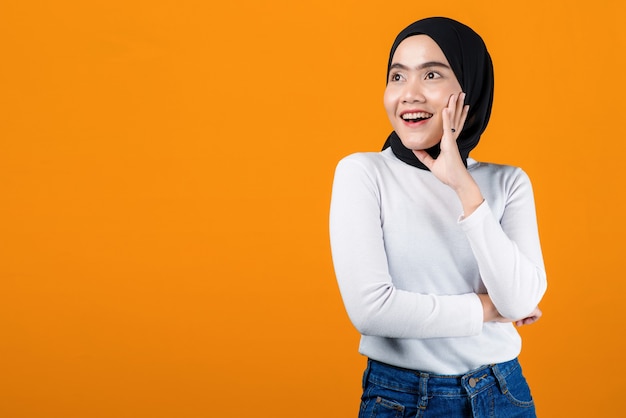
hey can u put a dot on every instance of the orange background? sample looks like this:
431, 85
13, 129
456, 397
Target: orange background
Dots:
165, 173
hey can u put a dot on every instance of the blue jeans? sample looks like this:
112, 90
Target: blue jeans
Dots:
498, 391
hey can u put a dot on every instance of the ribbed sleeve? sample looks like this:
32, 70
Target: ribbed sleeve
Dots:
410, 270
508, 252
374, 304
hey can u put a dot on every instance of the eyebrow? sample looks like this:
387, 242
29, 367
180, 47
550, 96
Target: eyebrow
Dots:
429, 64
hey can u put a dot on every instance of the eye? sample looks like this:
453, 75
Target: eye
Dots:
431, 75
396, 77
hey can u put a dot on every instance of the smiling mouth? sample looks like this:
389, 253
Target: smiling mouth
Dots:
414, 117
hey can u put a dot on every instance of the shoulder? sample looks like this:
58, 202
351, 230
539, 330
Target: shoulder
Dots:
502, 173
362, 158
369, 163
502, 184
373, 160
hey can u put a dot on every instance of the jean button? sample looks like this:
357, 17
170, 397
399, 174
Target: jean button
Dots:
472, 382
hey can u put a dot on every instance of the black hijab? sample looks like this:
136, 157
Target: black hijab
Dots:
468, 56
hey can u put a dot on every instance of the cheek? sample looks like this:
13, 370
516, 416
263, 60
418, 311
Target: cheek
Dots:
444, 94
389, 101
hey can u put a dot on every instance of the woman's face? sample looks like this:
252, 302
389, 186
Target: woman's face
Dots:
418, 89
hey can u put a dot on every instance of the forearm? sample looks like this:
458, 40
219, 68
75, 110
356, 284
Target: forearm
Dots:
376, 307
515, 282
373, 302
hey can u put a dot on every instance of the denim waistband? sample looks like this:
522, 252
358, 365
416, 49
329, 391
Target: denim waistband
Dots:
418, 382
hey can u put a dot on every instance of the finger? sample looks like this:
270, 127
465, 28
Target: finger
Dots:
460, 113
447, 116
452, 109
463, 116
525, 321
532, 318
453, 101
449, 132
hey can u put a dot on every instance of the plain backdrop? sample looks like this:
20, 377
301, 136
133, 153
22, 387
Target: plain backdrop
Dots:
165, 174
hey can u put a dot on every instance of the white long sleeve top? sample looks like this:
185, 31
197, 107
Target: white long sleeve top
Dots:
409, 267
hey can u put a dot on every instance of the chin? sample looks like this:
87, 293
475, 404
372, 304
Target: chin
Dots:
418, 144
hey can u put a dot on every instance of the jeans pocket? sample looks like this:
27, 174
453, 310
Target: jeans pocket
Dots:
516, 389
380, 402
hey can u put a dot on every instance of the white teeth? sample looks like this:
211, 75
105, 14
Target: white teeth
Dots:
417, 115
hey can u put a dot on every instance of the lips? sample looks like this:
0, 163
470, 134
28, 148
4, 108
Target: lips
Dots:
415, 116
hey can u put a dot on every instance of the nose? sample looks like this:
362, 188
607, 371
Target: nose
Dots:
413, 92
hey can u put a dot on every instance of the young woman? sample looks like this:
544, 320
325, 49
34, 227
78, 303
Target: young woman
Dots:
437, 256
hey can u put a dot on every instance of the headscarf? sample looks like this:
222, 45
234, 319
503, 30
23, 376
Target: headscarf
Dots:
468, 56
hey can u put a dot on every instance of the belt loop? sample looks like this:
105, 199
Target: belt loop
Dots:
423, 391
500, 378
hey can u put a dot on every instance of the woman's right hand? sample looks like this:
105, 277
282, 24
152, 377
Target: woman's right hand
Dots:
490, 313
